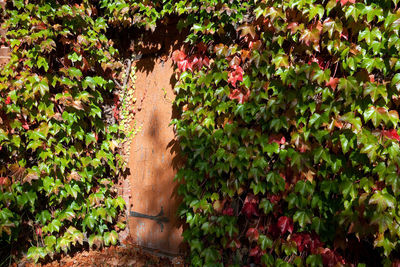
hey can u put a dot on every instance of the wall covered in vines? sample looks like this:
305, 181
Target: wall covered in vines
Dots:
288, 125
58, 145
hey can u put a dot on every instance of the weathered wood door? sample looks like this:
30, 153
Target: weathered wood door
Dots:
154, 158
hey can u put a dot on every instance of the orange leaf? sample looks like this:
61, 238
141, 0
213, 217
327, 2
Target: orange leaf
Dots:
333, 83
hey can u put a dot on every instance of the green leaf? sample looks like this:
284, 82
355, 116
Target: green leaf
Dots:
89, 221
302, 217
36, 253
247, 81
90, 138
54, 226
50, 241
346, 144
314, 261
383, 200
95, 240
75, 73
264, 242
266, 206
385, 243
41, 87
375, 91
395, 79
42, 63
43, 217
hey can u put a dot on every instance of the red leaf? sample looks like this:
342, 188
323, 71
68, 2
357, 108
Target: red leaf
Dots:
277, 138
344, 34
391, 134
250, 209
236, 75
25, 124
206, 61
332, 83
306, 240
228, 211
237, 94
299, 241
8, 100
250, 206
184, 65
198, 62
252, 234
293, 26
371, 78
274, 198
285, 224
4, 181
331, 258
39, 231
116, 113
178, 55
254, 252
343, 2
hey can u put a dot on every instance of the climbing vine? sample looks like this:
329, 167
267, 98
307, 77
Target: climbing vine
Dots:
59, 150
289, 118
288, 126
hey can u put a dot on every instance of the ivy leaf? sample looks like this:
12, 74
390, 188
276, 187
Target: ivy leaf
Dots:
346, 144
285, 224
89, 221
391, 134
43, 217
95, 240
375, 90
252, 234
50, 241
54, 226
332, 83
383, 200
75, 73
110, 238
266, 206
247, 29
384, 242
42, 63
35, 253
396, 81
372, 114
42, 87
264, 242
90, 138
302, 217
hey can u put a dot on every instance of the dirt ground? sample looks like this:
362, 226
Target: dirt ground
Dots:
129, 255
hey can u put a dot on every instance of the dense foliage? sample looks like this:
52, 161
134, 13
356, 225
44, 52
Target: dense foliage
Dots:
289, 127
288, 124
58, 155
